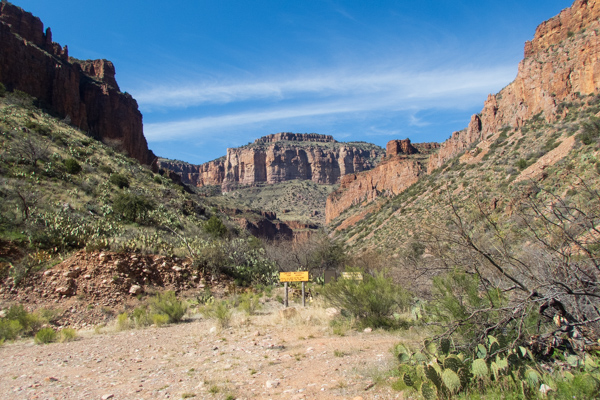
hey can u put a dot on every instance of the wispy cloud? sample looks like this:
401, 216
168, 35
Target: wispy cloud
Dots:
325, 94
334, 83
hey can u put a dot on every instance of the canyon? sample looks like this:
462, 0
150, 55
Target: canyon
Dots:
84, 93
279, 158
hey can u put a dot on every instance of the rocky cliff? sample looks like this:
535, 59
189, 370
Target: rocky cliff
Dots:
561, 62
84, 91
392, 176
281, 157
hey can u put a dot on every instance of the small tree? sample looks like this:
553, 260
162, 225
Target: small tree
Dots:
72, 166
215, 227
132, 207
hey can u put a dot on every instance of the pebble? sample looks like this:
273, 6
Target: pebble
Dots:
271, 384
107, 396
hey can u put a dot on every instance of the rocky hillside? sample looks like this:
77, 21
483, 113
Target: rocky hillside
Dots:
561, 63
84, 93
561, 67
279, 158
537, 135
403, 165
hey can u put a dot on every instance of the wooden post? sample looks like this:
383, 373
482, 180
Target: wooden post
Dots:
285, 303
303, 298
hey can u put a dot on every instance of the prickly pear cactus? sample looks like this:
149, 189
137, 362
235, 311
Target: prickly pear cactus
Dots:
445, 345
433, 376
480, 368
452, 363
428, 391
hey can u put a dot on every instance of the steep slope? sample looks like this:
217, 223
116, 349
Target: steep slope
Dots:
538, 135
561, 66
279, 158
84, 93
561, 63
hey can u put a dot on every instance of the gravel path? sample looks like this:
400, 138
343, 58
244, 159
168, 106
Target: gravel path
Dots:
259, 357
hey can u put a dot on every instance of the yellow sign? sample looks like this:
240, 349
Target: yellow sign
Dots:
355, 276
299, 276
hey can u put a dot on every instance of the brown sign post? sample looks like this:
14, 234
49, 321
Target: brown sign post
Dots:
298, 276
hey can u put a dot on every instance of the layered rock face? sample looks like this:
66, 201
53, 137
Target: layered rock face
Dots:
562, 61
278, 158
391, 177
84, 91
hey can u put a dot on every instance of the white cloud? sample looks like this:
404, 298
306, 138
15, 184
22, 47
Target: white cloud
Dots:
319, 95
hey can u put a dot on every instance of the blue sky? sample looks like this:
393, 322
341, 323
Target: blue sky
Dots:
212, 74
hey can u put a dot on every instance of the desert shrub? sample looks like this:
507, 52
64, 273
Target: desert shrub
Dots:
72, 166
67, 335
249, 303
45, 336
372, 300
590, 131
215, 227
2, 90
131, 207
123, 322
106, 169
160, 319
9, 329
219, 310
29, 323
119, 180
141, 317
168, 304
522, 164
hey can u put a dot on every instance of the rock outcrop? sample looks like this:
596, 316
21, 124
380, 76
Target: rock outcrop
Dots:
561, 62
84, 91
391, 177
278, 158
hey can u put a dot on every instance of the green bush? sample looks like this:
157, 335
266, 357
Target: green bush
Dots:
9, 329
131, 207
119, 180
522, 164
29, 322
123, 322
72, 166
2, 90
45, 335
168, 304
590, 131
67, 335
215, 227
372, 301
219, 310
249, 303
141, 317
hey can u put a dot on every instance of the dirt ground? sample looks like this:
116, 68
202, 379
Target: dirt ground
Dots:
258, 357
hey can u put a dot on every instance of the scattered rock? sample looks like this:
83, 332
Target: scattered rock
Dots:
108, 396
368, 330
271, 384
135, 290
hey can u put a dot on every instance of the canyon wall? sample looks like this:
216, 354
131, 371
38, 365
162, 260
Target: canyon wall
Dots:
278, 158
561, 62
392, 176
84, 91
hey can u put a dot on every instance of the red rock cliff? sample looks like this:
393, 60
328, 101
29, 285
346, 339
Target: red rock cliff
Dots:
278, 158
391, 177
562, 60
85, 91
